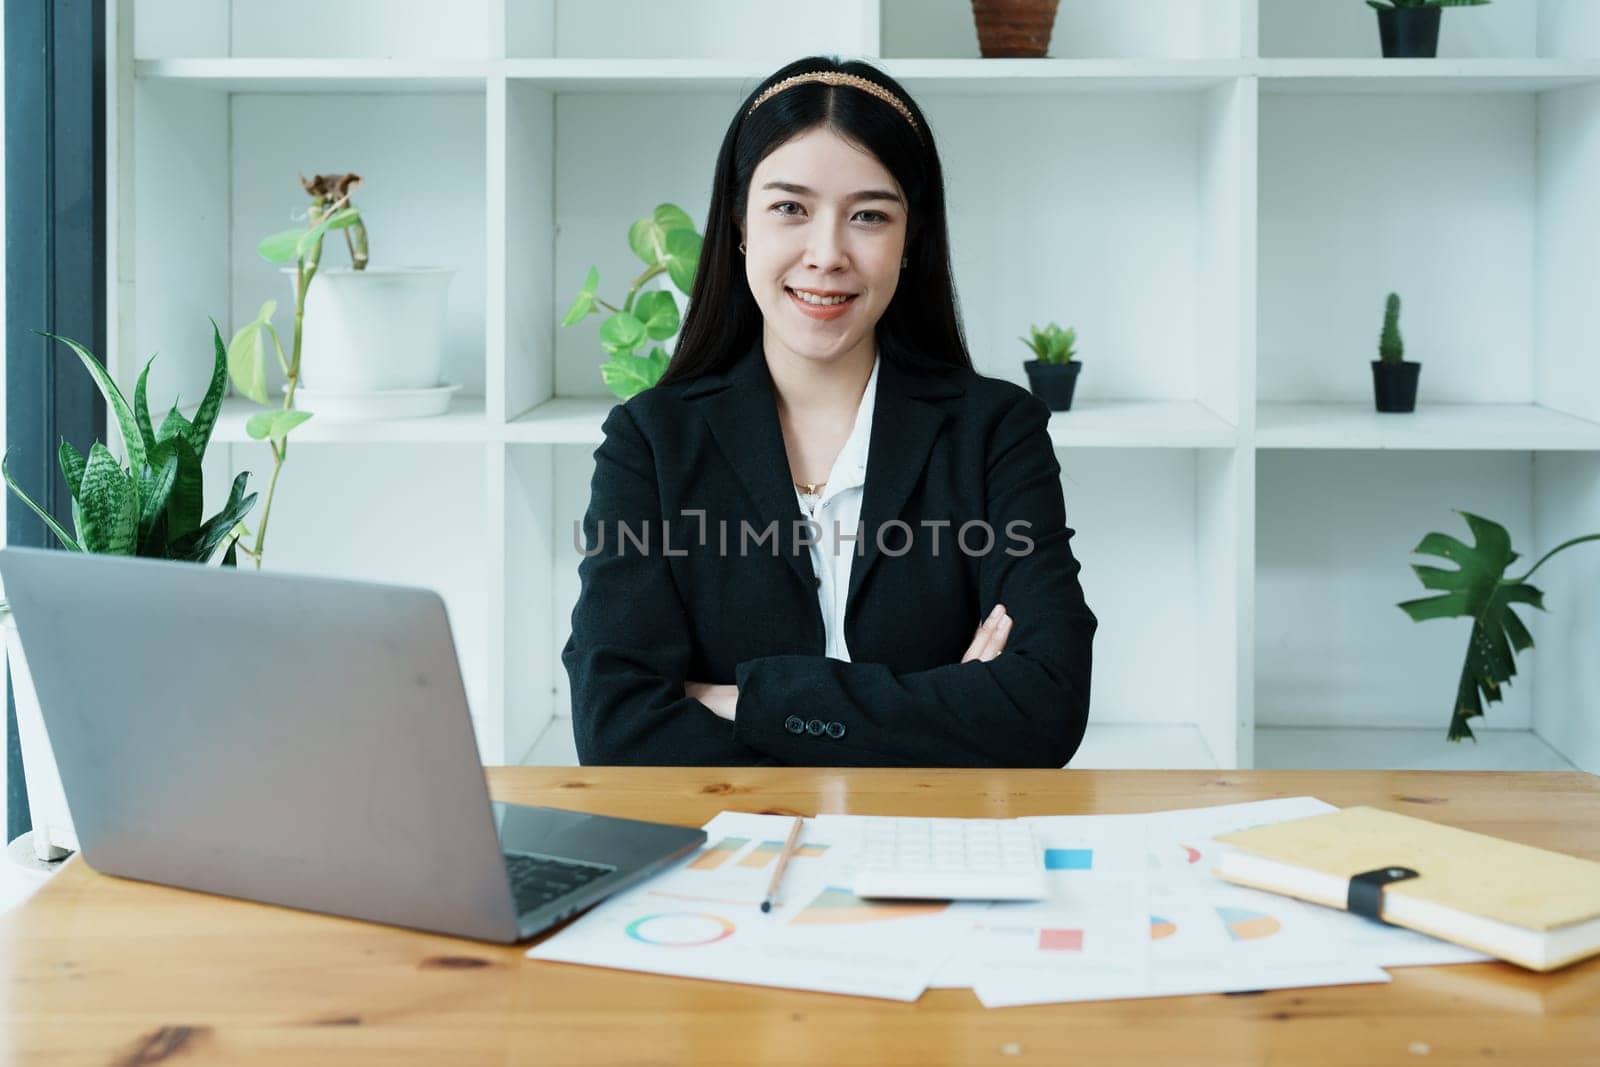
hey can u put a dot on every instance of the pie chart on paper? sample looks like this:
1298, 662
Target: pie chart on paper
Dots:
1246, 925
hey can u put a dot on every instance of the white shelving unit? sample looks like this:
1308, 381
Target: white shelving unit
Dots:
1216, 193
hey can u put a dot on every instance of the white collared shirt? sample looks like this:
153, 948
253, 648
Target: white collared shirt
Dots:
840, 503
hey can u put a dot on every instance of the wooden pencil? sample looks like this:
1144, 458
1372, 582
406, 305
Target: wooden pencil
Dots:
783, 861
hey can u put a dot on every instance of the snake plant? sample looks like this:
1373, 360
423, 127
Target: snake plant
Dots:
153, 505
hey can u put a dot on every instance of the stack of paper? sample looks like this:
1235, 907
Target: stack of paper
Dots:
703, 919
1134, 911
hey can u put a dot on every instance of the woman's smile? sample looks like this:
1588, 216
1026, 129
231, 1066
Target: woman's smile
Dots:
818, 307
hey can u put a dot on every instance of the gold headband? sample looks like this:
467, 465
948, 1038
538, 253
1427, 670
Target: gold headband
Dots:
834, 77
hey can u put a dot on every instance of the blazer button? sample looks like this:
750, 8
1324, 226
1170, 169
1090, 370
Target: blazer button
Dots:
836, 730
816, 580
795, 724
815, 727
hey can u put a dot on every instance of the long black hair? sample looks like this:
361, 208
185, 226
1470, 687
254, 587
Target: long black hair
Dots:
921, 327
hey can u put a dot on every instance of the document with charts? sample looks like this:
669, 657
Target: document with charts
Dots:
1136, 912
702, 918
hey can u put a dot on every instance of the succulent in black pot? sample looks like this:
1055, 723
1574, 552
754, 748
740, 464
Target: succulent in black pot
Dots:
1054, 374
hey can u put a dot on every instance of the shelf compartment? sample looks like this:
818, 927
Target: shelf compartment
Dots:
1334, 538
1477, 208
1432, 427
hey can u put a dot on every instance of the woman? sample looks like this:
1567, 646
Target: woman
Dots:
791, 537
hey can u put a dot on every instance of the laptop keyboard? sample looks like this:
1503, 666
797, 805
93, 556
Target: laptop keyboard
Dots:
537, 880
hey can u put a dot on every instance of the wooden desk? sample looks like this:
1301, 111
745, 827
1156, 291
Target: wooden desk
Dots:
106, 971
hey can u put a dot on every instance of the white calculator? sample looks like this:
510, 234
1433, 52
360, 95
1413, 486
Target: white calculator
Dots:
949, 859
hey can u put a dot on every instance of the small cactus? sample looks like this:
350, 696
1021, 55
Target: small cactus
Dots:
1390, 348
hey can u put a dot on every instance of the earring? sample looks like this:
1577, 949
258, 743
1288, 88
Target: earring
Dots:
741, 248
903, 261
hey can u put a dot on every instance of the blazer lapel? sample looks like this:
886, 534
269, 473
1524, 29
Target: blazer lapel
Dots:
905, 423
741, 409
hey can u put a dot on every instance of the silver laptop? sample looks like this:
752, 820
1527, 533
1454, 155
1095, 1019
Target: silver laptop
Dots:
295, 741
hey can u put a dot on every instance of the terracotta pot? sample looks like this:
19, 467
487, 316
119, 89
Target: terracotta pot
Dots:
1014, 28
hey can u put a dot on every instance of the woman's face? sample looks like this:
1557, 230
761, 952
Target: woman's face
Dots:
823, 216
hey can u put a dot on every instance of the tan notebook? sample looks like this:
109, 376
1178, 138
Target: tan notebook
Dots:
1533, 907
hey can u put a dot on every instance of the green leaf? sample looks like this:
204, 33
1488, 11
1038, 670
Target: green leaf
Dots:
141, 409
186, 499
206, 417
155, 492
670, 217
72, 462
627, 375
247, 362
280, 247
132, 441
109, 505
649, 237
683, 259
659, 313
1476, 589
54, 526
621, 334
230, 558
344, 218
584, 302
200, 544
274, 424
308, 239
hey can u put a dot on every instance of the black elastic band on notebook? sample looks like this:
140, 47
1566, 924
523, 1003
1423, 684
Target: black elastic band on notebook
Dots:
1365, 896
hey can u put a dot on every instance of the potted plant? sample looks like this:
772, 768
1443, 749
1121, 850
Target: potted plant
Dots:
1478, 589
1409, 29
1014, 28
1054, 374
150, 507
668, 244
374, 337
1394, 378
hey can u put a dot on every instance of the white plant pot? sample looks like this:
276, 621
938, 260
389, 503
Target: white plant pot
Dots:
53, 835
367, 331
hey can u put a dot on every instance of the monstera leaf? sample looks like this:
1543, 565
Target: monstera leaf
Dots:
1479, 589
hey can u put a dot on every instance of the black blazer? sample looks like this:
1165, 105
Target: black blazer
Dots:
653, 613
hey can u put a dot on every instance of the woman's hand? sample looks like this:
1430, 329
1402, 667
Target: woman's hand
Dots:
990, 639
723, 700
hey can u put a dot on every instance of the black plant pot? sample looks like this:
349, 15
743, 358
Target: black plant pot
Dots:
1394, 385
1053, 382
1410, 32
